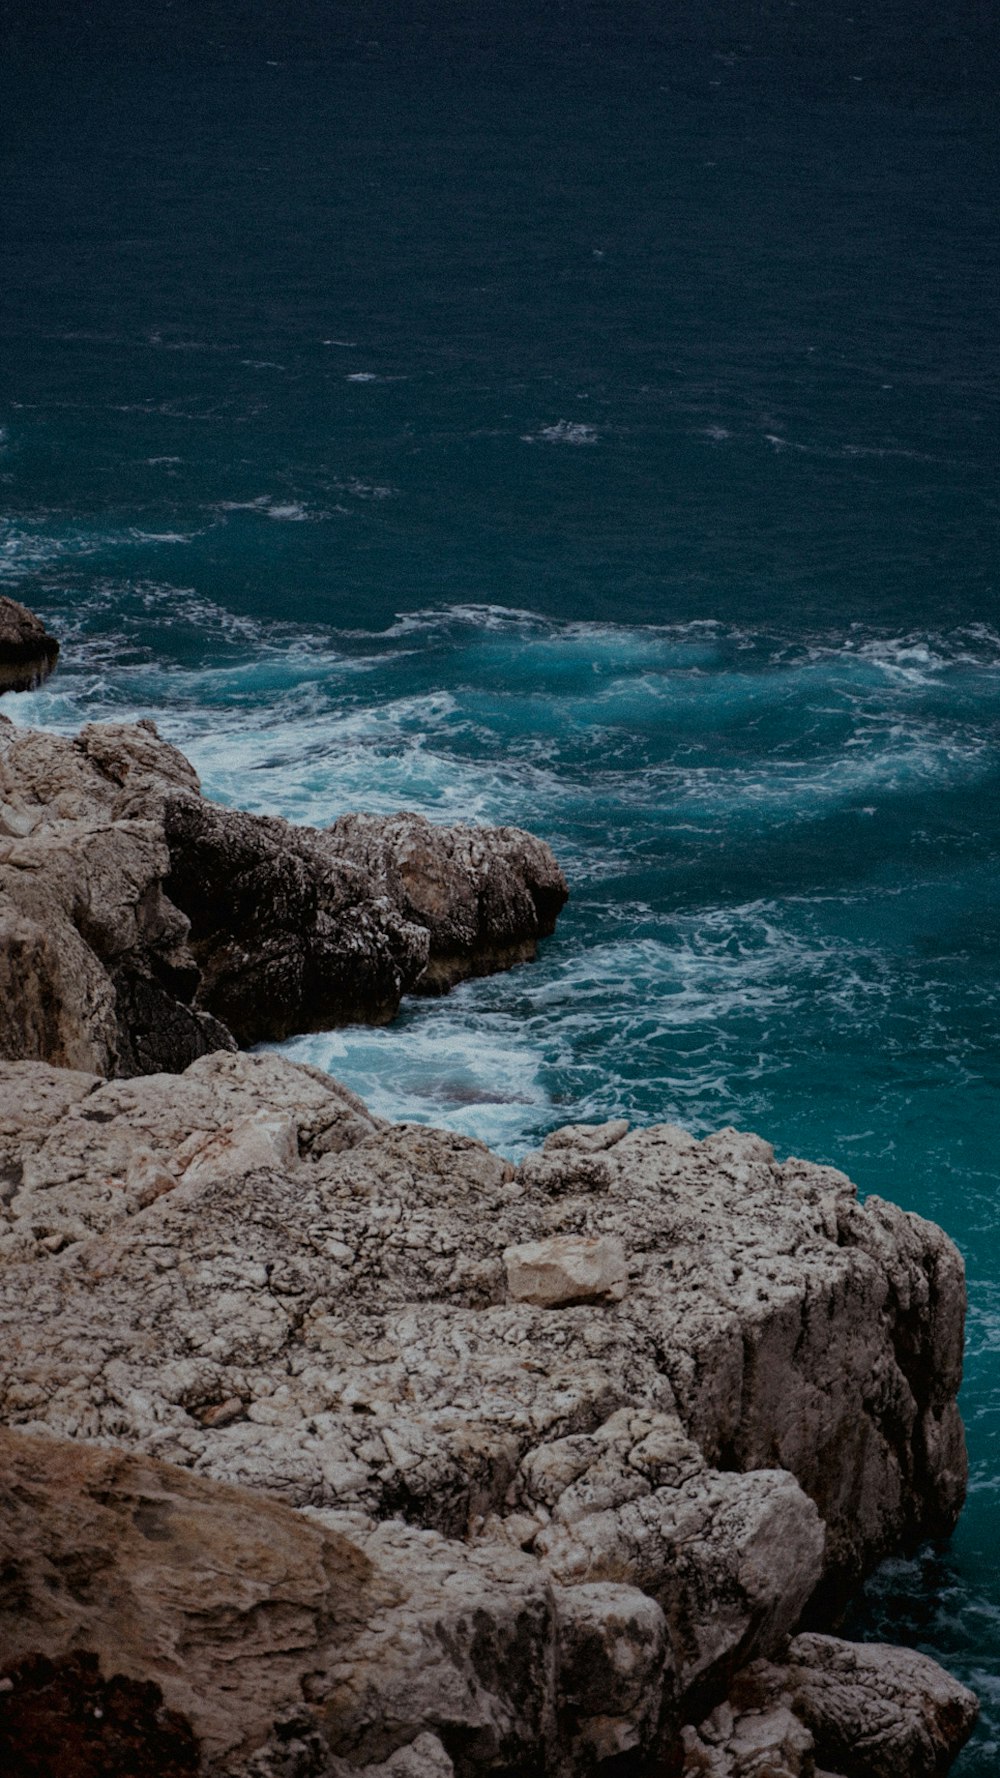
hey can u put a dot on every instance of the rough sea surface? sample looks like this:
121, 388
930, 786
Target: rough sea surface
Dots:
523, 419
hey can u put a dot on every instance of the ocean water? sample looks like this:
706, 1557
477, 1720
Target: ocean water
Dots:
590, 427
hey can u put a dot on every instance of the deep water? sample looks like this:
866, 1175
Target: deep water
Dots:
590, 431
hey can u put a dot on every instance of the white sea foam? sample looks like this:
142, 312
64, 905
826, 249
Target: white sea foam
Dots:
638, 1024
568, 432
444, 1063
137, 536
562, 722
30, 546
367, 490
271, 506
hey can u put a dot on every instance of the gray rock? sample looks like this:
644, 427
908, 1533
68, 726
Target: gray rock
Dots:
484, 897
593, 1515
296, 929
841, 1709
875, 1711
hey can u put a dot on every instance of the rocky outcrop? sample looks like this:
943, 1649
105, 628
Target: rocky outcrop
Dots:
860, 1710
95, 968
192, 1627
296, 929
142, 926
498, 1529
484, 900
28, 652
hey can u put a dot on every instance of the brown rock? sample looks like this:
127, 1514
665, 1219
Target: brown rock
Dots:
28, 652
130, 1583
65, 1716
219, 1632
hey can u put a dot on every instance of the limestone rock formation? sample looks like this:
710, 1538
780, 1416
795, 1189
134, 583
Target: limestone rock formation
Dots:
28, 652
95, 970
483, 900
849, 1710
577, 1524
142, 926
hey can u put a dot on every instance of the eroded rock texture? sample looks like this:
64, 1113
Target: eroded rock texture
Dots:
141, 926
860, 1710
578, 1520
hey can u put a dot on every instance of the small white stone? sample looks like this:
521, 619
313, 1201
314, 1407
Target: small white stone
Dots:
567, 1269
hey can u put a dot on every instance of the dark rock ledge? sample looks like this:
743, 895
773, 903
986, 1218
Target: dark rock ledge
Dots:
142, 926
28, 652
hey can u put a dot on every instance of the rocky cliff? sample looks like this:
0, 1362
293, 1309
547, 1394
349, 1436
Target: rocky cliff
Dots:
335, 1445
142, 926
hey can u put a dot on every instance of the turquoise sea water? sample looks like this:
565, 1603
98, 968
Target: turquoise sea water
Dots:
591, 431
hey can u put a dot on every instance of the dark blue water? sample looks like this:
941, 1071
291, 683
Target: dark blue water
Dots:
527, 421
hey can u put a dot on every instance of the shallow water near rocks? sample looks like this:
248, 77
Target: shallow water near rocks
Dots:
600, 442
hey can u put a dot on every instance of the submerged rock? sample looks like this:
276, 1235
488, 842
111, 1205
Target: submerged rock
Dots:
28, 652
142, 926
486, 1533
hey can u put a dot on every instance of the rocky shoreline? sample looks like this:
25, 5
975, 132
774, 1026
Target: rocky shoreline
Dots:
367, 1450
142, 926
331, 1446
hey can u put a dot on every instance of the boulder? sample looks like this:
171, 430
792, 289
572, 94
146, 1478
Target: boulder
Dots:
484, 897
296, 929
284, 941
839, 1710
157, 1623
875, 1711
28, 652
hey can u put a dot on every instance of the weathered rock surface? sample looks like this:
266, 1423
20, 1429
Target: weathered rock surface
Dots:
483, 899
28, 652
95, 968
594, 1515
141, 926
855, 1710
